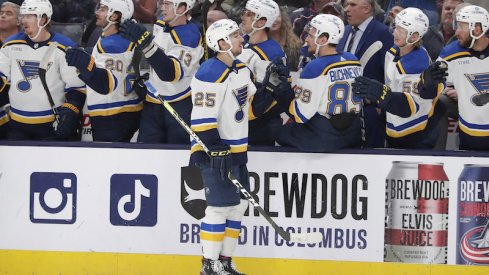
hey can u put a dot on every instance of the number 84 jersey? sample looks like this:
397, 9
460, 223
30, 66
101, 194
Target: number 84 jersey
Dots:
324, 87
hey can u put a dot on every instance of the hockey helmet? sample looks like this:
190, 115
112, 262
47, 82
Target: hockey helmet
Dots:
474, 14
413, 20
264, 9
125, 7
330, 24
190, 4
37, 7
220, 29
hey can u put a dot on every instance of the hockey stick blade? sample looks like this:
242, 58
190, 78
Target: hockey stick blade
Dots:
285, 235
43, 67
373, 49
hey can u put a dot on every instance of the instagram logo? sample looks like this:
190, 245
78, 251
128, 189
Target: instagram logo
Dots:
133, 200
53, 198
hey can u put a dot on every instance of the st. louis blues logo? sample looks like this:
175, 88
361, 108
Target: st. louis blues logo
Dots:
30, 70
480, 82
241, 95
474, 245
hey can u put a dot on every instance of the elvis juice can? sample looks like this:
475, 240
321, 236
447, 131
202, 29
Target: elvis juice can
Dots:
473, 215
416, 213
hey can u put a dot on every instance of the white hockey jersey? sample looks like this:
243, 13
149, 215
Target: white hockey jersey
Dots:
114, 54
221, 100
19, 64
258, 57
185, 43
402, 76
469, 75
324, 87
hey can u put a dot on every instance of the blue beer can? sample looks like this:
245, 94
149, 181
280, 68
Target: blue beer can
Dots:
473, 215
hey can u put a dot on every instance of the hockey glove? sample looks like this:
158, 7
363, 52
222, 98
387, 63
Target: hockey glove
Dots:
435, 74
136, 33
221, 159
283, 93
82, 60
278, 67
373, 90
69, 121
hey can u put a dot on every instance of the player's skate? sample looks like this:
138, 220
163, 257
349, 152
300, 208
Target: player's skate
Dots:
229, 265
213, 267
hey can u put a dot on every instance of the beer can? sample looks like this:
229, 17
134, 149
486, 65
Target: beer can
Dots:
416, 213
473, 215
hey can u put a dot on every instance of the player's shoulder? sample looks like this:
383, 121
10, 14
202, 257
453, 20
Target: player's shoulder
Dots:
268, 50
213, 70
321, 65
454, 51
415, 62
114, 44
187, 35
63, 41
18, 38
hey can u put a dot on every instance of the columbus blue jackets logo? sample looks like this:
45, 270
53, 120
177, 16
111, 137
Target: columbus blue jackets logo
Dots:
474, 245
192, 195
241, 96
30, 70
480, 82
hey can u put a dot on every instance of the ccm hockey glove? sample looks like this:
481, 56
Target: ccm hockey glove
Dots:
221, 159
435, 74
69, 121
82, 60
373, 90
136, 33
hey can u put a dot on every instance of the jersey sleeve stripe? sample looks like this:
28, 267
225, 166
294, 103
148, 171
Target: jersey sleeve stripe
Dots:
399, 67
472, 129
174, 36
294, 110
223, 76
99, 47
457, 55
3, 117
14, 42
178, 72
340, 64
262, 55
412, 104
161, 23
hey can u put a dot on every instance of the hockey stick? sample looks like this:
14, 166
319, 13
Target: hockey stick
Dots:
367, 55
295, 237
43, 67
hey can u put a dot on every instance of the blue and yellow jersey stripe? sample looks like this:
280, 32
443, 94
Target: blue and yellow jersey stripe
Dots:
472, 129
408, 128
109, 109
3, 117
170, 98
27, 117
296, 112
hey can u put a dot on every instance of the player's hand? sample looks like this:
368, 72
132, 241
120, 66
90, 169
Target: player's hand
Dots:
277, 66
435, 74
69, 122
221, 159
80, 59
136, 33
451, 93
373, 90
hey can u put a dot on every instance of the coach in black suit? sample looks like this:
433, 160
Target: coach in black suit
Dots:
361, 32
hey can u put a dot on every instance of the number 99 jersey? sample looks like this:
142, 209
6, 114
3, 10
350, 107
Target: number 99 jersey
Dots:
324, 87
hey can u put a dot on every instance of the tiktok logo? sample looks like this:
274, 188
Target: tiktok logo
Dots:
133, 200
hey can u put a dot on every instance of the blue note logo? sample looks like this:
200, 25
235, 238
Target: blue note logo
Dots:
53, 198
133, 200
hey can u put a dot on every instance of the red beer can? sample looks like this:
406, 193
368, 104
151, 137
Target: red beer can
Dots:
416, 213
473, 215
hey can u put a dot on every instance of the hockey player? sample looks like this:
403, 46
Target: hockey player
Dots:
411, 120
259, 51
113, 105
468, 69
222, 91
325, 109
31, 114
178, 40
